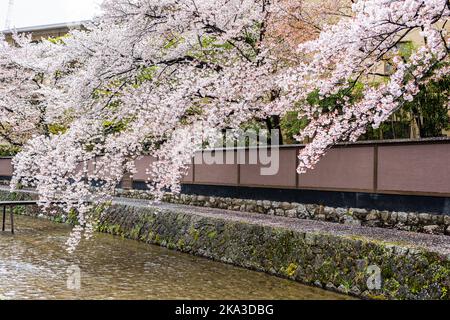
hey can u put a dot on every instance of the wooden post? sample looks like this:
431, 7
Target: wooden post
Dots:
4, 218
375, 168
127, 182
12, 219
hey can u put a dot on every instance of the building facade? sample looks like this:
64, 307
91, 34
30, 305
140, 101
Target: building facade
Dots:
45, 31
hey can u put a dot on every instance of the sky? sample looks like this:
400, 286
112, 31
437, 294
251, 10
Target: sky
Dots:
29, 13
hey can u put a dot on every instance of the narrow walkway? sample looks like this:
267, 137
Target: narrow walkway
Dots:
434, 243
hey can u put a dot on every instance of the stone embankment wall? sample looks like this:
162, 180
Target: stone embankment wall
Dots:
356, 265
406, 221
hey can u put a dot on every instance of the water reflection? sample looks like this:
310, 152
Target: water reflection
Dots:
34, 265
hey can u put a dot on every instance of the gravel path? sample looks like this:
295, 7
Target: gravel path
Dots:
434, 243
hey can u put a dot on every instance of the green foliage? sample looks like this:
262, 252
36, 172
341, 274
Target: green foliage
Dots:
431, 107
108, 91
212, 43
291, 126
291, 270
72, 217
252, 38
428, 113
192, 111
429, 110
57, 129
58, 40
145, 74
99, 93
392, 129
111, 127
209, 49
406, 49
19, 210
173, 43
9, 150
351, 93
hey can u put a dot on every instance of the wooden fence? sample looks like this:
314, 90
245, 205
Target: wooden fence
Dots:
418, 167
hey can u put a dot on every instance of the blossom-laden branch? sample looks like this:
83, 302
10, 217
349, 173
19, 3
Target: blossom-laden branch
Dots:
350, 52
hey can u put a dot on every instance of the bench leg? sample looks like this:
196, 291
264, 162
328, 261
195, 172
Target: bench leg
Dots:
12, 219
4, 218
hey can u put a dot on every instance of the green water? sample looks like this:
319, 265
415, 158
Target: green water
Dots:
34, 265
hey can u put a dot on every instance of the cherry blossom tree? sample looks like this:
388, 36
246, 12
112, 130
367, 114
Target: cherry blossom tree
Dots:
22, 106
148, 76
350, 53
160, 77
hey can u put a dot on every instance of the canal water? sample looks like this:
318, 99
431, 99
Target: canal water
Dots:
35, 265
